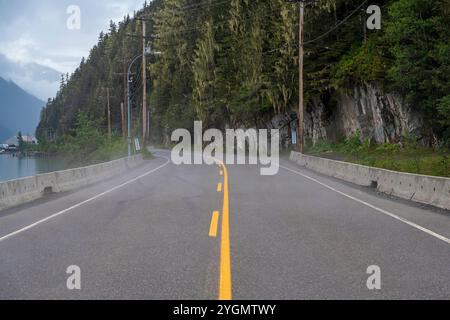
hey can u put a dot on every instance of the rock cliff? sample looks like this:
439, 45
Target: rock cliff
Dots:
378, 116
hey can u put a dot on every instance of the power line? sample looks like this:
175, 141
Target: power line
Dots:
222, 23
343, 21
192, 7
269, 13
337, 25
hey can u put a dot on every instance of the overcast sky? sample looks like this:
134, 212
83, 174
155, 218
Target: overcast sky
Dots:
36, 45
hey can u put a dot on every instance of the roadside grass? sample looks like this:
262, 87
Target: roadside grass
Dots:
77, 154
404, 157
146, 154
113, 149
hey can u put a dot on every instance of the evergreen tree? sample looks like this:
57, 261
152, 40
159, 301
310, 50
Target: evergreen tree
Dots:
235, 63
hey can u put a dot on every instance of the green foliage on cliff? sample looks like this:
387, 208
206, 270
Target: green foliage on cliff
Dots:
364, 63
235, 63
419, 38
409, 56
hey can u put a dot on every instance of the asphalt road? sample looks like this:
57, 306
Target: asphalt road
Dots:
152, 234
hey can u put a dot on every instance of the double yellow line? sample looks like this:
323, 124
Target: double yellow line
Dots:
225, 290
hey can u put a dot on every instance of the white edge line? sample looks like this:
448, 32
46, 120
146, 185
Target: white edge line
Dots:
84, 202
412, 224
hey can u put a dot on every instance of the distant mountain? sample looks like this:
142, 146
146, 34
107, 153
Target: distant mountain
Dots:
41, 81
32, 71
19, 110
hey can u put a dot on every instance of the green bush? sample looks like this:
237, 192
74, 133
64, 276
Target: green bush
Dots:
87, 143
388, 148
320, 146
146, 154
352, 145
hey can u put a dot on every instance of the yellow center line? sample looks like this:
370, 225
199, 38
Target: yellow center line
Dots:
219, 187
214, 224
225, 290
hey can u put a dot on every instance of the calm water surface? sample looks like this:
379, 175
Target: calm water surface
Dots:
15, 168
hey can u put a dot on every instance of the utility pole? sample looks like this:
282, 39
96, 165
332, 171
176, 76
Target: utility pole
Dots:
108, 109
301, 102
301, 108
125, 101
145, 50
148, 123
109, 114
129, 120
122, 119
144, 85
123, 105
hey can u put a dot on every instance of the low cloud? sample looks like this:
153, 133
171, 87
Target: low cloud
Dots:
36, 44
39, 80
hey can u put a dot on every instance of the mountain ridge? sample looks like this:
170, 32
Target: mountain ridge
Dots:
19, 110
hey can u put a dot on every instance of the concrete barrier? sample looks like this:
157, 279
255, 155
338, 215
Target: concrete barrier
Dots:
429, 190
16, 192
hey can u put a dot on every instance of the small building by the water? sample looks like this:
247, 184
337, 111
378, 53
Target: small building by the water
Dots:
15, 140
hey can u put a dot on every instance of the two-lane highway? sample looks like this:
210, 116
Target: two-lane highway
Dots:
206, 232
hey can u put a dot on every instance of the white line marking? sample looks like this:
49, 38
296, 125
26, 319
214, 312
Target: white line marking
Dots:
84, 202
412, 224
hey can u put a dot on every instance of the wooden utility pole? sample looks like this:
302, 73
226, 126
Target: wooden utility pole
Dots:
124, 130
123, 105
144, 85
148, 123
145, 50
301, 101
125, 102
123, 120
108, 109
109, 114
301, 110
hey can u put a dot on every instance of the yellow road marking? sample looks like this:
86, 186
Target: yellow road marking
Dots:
214, 224
225, 290
219, 187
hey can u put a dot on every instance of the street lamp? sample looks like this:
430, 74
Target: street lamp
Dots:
147, 50
129, 102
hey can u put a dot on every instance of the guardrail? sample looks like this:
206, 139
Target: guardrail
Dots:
16, 192
428, 190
